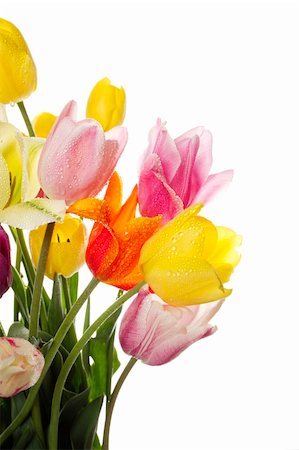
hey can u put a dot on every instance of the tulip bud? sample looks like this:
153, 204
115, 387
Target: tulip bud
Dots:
107, 104
43, 123
5, 267
78, 158
67, 247
21, 365
156, 333
17, 68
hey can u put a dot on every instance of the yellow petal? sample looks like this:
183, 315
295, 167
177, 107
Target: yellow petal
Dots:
106, 104
4, 183
17, 68
225, 256
184, 281
67, 248
43, 123
31, 188
11, 149
168, 235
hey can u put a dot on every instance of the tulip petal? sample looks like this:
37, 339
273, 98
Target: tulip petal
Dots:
181, 181
30, 182
113, 195
157, 242
129, 281
91, 208
213, 184
43, 123
31, 214
185, 281
70, 110
20, 366
157, 197
225, 257
72, 171
115, 141
130, 242
156, 333
3, 115
203, 161
162, 144
4, 183
127, 212
12, 150
102, 250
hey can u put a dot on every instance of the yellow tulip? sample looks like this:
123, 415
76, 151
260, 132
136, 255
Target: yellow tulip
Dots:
67, 248
187, 261
107, 104
43, 123
17, 68
19, 183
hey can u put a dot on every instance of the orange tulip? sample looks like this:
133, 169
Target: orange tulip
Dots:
117, 236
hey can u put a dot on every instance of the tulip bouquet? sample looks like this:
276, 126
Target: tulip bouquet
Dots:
58, 181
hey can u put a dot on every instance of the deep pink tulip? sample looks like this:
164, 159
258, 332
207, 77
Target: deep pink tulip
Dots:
5, 267
78, 158
175, 173
156, 333
20, 365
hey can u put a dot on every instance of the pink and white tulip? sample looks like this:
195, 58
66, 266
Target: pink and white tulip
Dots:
78, 158
156, 333
20, 365
175, 173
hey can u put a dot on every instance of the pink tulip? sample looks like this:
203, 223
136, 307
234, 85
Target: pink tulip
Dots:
156, 332
77, 158
20, 365
175, 173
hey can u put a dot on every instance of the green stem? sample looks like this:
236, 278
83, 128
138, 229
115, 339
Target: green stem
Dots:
18, 266
72, 331
53, 428
26, 119
60, 335
38, 282
111, 402
26, 257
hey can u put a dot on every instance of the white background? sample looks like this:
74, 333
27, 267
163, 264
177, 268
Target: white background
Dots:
233, 67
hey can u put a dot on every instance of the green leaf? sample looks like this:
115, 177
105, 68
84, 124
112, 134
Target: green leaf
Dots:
56, 313
4, 413
23, 434
73, 404
96, 443
34, 444
18, 330
84, 427
101, 351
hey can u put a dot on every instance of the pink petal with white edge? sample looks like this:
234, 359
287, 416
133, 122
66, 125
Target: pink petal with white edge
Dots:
156, 333
156, 197
20, 366
213, 185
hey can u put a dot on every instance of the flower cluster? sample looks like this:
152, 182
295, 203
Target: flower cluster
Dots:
154, 245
